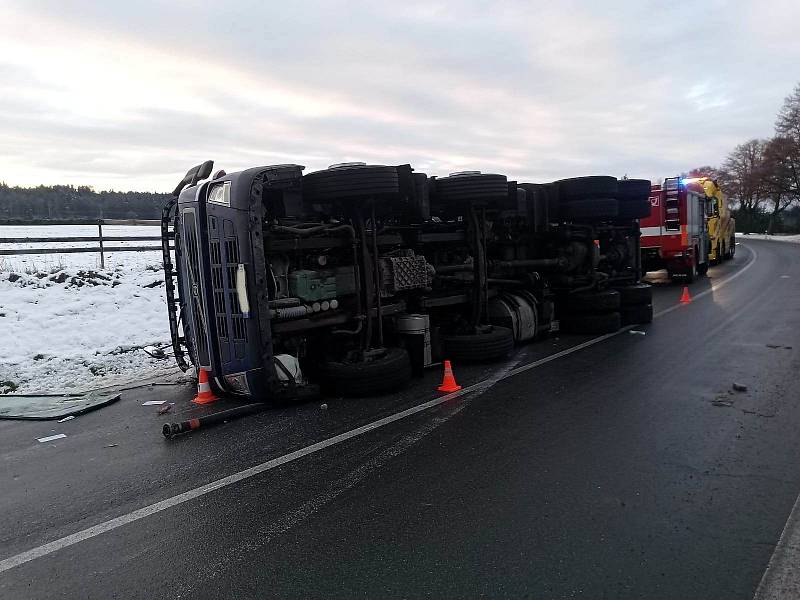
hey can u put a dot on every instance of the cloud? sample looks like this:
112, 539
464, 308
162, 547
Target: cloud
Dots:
129, 95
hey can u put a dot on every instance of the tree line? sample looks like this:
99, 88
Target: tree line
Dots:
762, 176
57, 202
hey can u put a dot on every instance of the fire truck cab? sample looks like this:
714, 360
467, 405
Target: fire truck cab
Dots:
675, 236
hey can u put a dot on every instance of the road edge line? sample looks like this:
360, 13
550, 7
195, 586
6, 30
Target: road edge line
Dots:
781, 579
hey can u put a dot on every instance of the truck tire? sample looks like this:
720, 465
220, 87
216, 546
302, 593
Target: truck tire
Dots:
492, 344
634, 198
596, 324
690, 275
730, 250
380, 373
592, 302
702, 268
634, 209
631, 295
351, 182
597, 208
582, 188
480, 189
633, 189
636, 314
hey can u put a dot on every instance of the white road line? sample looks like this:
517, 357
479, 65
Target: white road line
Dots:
714, 287
146, 511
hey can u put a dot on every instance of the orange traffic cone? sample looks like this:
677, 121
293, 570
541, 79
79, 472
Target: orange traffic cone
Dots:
449, 382
204, 393
685, 297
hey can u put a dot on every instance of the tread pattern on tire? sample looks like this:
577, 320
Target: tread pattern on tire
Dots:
634, 198
636, 314
583, 188
592, 302
595, 208
591, 323
358, 181
634, 209
639, 293
390, 372
482, 347
472, 188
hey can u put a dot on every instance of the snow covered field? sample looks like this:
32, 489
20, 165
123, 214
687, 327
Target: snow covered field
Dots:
66, 325
777, 238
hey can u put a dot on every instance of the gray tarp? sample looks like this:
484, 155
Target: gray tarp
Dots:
50, 406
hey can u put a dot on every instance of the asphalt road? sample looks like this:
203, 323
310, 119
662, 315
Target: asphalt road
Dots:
625, 469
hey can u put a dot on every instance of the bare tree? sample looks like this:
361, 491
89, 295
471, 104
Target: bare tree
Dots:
704, 171
782, 175
788, 122
782, 158
742, 179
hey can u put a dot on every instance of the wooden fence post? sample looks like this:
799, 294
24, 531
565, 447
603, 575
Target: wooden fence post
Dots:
100, 235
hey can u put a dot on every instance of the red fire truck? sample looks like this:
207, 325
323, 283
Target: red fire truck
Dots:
675, 235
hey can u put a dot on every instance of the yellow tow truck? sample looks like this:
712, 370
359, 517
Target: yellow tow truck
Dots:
721, 226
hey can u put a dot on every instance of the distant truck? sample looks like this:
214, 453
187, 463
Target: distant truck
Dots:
721, 226
689, 228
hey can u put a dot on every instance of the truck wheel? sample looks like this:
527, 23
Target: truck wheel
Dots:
597, 208
702, 269
731, 249
351, 181
382, 371
479, 189
589, 323
582, 188
592, 302
634, 209
491, 344
636, 314
691, 274
639, 293
634, 198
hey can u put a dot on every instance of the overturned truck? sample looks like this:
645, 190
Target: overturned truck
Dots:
359, 276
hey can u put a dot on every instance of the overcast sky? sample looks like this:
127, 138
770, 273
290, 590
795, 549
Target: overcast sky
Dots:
129, 94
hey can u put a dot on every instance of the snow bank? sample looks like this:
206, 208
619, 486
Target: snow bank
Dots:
776, 238
72, 329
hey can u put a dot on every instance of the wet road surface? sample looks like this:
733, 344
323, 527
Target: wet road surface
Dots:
626, 469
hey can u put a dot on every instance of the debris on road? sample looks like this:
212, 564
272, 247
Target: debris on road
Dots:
758, 414
69, 418
111, 445
739, 387
50, 438
53, 406
637, 332
722, 403
164, 409
323, 406
153, 403
774, 346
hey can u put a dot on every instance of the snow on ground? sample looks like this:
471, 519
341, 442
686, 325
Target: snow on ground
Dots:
68, 326
778, 238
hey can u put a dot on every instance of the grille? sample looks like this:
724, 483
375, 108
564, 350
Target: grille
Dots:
225, 257
193, 267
